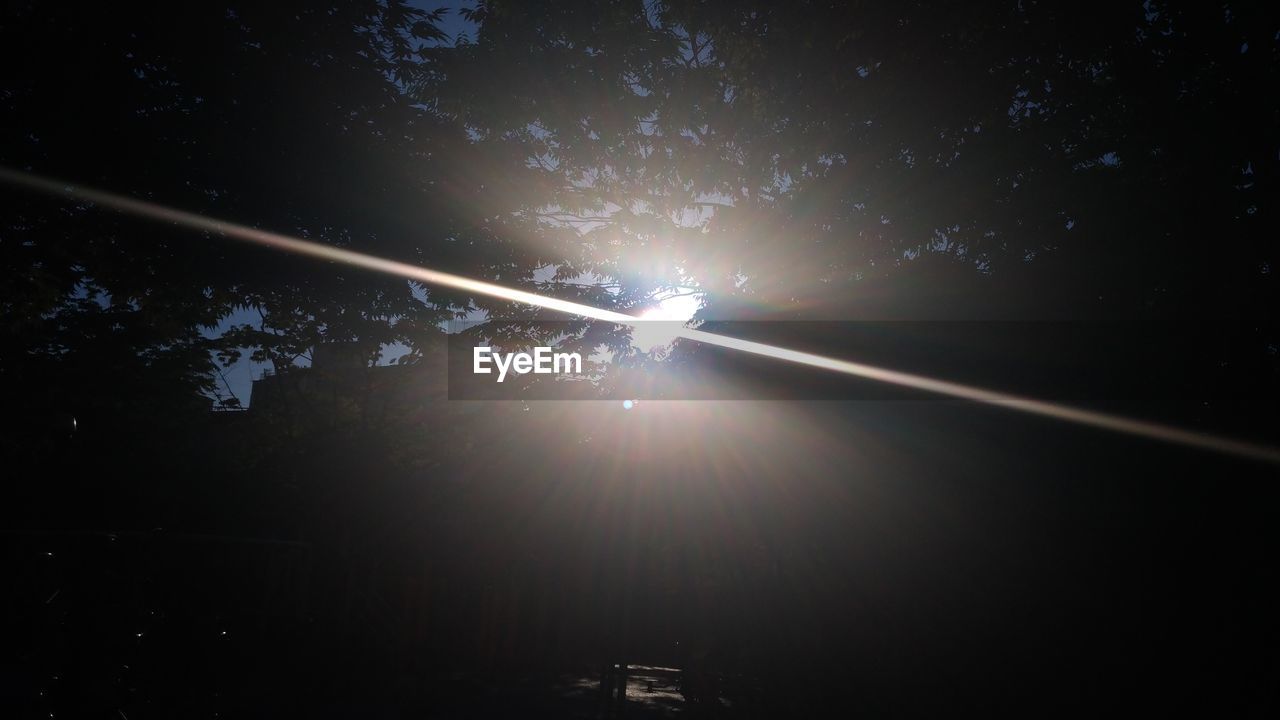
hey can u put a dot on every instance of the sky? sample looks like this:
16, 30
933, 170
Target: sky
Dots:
238, 378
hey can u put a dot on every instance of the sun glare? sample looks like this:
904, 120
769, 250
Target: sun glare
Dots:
679, 306
651, 329
661, 324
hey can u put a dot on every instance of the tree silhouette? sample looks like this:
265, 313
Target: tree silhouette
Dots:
823, 149
290, 118
373, 547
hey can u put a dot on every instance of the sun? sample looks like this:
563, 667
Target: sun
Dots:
679, 306
663, 321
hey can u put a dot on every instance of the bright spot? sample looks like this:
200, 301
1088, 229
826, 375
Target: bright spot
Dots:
627, 404
663, 321
681, 304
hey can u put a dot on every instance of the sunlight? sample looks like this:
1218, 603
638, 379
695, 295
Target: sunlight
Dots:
650, 328
659, 326
680, 305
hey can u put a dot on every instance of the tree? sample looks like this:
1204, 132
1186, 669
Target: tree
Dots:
793, 156
290, 118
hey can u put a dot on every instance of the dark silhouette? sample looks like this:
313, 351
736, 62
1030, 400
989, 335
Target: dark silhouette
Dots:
347, 541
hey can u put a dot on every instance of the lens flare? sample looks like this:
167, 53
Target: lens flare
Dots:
1057, 411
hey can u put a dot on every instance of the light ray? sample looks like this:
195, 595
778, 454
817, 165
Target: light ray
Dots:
1057, 411
306, 247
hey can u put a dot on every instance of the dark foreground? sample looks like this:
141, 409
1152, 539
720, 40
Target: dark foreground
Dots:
858, 564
